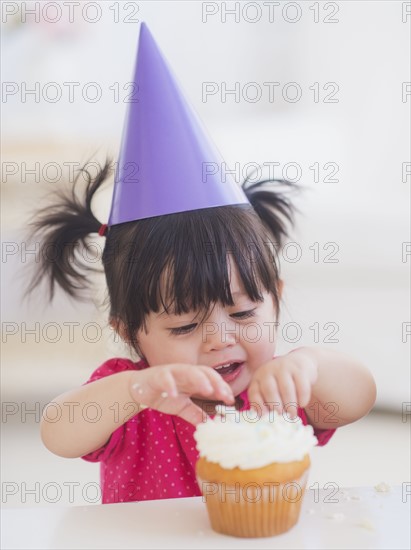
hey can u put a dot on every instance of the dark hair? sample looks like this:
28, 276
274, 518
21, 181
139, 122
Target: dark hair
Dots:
177, 262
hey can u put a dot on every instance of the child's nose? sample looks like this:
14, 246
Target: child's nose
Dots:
219, 335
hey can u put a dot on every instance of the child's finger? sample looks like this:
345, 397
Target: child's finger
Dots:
288, 394
271, 394
303, 389
220, 386
192, 380
255, 396
203, 380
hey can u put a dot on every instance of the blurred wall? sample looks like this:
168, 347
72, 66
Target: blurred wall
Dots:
346, 141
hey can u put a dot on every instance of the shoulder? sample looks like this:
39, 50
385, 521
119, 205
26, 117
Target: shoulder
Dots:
114, 366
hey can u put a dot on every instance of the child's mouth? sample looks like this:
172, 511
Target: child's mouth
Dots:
230, 372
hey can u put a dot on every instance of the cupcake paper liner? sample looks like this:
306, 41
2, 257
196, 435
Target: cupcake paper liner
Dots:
253, 509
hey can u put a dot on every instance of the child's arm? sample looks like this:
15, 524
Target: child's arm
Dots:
333, 388
344, 392
74, 433
87, 416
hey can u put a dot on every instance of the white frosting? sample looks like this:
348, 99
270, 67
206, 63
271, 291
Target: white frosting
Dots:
244, 440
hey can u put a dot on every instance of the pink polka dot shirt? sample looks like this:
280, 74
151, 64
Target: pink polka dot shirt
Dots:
152, 456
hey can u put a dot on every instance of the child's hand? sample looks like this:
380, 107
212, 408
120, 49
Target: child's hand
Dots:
286, 381
168, 389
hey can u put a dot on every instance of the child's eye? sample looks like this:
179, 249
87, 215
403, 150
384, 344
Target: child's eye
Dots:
183, 330
189, 328
244, 314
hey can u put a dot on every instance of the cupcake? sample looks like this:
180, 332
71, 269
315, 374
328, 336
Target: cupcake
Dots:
252, 472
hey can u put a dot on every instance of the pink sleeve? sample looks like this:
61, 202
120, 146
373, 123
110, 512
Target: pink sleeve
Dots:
323, 436
112, 366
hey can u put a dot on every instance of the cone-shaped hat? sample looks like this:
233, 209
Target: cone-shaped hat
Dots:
167, 164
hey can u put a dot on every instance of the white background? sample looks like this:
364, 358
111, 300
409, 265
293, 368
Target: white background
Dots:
366, 134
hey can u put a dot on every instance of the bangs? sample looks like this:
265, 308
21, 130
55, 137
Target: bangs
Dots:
199, 274
181, 262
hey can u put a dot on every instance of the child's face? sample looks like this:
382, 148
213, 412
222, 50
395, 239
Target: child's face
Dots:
243, 333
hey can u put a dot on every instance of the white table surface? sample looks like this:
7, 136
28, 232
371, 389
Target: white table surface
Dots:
361, 518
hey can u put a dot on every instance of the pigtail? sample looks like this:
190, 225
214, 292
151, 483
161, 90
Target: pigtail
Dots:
270, 199
61, 228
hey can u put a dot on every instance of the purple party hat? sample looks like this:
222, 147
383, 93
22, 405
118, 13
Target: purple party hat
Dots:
167, 164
